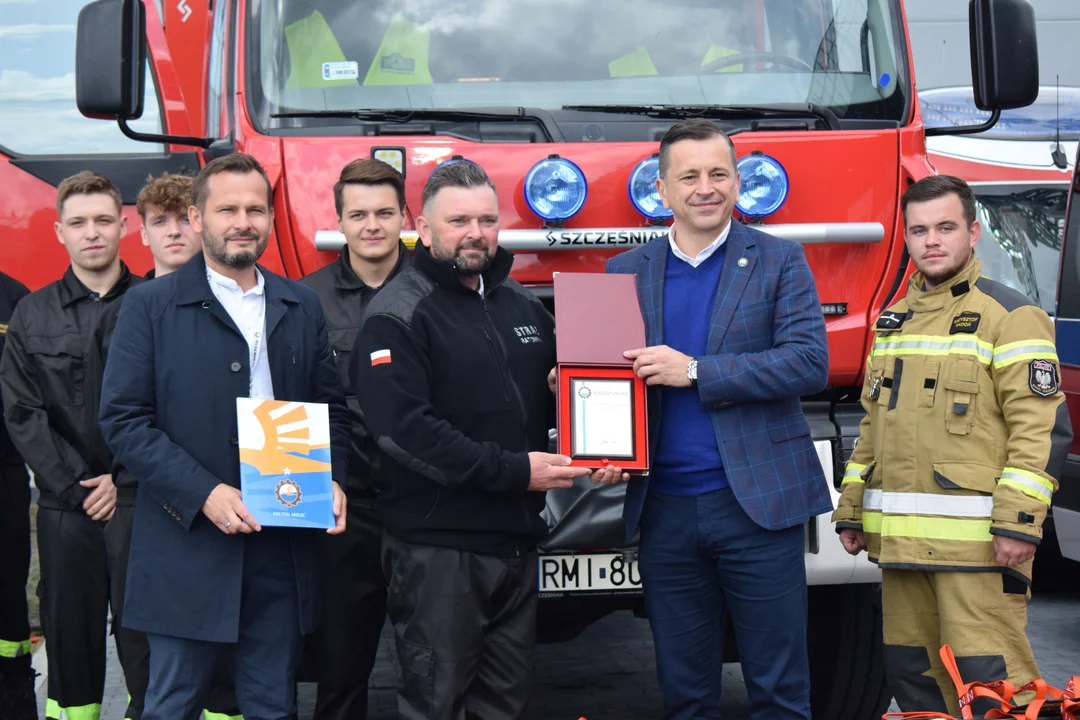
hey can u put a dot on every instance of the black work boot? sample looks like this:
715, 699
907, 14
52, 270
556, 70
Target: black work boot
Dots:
18, 701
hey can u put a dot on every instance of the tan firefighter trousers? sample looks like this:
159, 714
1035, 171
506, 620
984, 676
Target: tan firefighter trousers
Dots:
981, 615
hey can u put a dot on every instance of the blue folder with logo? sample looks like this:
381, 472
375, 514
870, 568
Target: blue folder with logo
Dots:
285, 468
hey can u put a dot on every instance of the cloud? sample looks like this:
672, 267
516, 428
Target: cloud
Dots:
21, 86
39, 115
32, 31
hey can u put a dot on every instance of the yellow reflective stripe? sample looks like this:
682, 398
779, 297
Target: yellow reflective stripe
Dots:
934, 528
853, 473
1028, 483
934, 345
871, 521
53, 711
1014, 352
14, 648
1027, 490
207, 715
849, 480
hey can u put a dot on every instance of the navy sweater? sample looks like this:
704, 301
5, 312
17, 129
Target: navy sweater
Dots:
687, 457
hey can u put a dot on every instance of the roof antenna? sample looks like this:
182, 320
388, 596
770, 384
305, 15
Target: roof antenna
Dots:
1058, 154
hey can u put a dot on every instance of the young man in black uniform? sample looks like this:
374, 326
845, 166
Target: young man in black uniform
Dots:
452, 362
50, 378
370, 201
18, 701
163, 205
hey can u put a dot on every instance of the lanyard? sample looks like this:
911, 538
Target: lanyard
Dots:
255, 345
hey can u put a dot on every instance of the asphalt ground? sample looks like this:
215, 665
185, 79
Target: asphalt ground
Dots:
609, 671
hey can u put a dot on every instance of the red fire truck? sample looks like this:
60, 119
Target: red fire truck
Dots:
564, 103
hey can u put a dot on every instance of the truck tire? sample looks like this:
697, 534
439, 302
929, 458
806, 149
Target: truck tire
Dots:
847, 666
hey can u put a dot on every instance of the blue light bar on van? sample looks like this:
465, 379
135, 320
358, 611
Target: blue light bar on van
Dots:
763, 185
555, 189
643, 192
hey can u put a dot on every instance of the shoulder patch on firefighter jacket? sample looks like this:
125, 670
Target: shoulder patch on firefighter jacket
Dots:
965, 322
890, 321
1042, 376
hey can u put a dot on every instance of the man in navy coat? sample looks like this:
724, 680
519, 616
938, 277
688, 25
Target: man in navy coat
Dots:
206, 582
736, 336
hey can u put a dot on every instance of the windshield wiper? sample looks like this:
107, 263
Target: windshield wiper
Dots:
406, 115
733, 112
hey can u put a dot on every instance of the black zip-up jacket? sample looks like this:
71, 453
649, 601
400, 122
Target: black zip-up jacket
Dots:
11, 292
344, 297
50, 378
455, 395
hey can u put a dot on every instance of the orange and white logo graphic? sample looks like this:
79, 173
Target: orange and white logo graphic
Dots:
277, 437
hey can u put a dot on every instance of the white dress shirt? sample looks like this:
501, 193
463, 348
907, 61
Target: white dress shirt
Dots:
248, 311
704, 254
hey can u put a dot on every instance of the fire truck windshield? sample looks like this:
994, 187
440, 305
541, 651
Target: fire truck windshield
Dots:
314, 61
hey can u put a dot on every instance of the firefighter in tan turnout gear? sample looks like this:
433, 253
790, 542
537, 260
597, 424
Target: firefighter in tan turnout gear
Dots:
964, 437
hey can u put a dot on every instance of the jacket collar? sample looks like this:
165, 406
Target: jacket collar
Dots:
72, 289
444, 274
920, 300
345, 278
193, 287
733, 277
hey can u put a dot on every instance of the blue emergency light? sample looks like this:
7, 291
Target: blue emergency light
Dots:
643, 192
555, 189
763, 185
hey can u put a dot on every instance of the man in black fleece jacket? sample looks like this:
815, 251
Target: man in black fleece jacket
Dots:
451, 370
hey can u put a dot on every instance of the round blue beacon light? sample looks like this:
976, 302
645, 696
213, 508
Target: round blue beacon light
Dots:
555, 189
643, 192
763, 185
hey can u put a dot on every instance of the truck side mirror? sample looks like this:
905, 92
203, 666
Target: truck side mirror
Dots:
1004, 53
110, 59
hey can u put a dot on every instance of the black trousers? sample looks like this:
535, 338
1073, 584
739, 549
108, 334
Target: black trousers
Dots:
465, 628
14, 561
354, 610
83, 566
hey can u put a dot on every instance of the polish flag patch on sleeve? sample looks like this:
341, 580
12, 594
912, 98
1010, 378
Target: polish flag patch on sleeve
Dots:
379, 357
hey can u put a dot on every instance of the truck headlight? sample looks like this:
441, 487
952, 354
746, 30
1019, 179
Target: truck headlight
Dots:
643, 192
763, 185
555, 189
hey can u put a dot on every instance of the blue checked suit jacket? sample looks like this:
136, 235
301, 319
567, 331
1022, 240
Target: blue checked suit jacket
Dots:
766, 348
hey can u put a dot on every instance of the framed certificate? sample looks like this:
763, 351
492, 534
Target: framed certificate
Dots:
602, 417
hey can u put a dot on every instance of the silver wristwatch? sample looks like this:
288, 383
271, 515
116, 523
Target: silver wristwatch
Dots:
691, 371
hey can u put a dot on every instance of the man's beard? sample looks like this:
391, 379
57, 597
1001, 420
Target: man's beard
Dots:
219, 250
465, 267
943, 276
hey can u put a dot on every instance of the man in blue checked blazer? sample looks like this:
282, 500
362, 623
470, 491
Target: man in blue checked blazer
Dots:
736, 336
